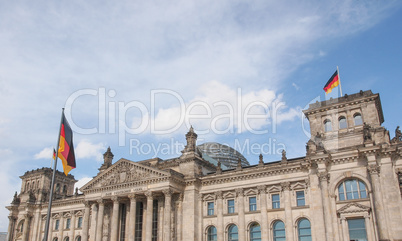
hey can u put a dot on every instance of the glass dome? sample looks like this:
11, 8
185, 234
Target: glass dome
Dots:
223, 153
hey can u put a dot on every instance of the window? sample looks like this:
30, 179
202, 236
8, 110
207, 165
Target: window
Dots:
342, 123
78, 238
55, 239
138, 221
304, 230
79, 222
210, 208
279, 231
212, 235
68, 223
255, 232
252, 203
300, 198
67, 239
233, 233
231, 206
58, 187
357, 229
56, 225
65, 189
276, 203
351, 189
358, 119
21, 228
123, 213
327, 125
154, 222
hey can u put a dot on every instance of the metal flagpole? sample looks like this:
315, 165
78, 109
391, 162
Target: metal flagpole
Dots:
49, 209
339, 78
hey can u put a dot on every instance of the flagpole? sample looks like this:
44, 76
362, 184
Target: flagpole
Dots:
339, 77
49, 209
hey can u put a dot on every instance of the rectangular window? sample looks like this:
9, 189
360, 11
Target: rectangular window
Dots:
123, 214
68, 223
231, 206
276, 203
79, 222
357, 229
56, 225
138, 221
155, 220
252, 201
300, 198
210, 208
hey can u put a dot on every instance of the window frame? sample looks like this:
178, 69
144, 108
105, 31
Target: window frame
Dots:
231, 208
230, 234
278, 238
343, 193
276, 204
57, 224
251, 232
354, 119
68, 223
210, 210
300, 199
79, 222
342, 120
304, 228
252, 206
327, 127
212, 236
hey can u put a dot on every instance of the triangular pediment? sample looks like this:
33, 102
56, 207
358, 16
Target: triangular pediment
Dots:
124, 171
354, 208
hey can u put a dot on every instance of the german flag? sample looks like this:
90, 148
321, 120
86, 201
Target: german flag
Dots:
332, 82
66, 148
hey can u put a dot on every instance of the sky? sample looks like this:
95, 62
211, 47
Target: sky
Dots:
135, 75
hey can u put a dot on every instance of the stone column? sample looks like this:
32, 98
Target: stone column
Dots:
92, 231
324, 179
160, 218
380, 221
345, 229
288, 210
318, 230
72, 225
168, 208
219, 213
241, 217
131, 226
85, 225
49, 235
35, 226
11, 227
264, 216
180, 217
150, 207
115, 219
99, 224
25, 229
61, 227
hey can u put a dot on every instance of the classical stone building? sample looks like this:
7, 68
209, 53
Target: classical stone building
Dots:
347, 187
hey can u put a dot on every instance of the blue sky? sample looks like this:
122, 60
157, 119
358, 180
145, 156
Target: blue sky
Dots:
207, 54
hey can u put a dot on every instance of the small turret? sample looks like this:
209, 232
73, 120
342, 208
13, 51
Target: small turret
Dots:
107, 160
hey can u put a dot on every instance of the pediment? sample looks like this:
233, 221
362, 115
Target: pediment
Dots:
274, 189
250, 192
124, 171
298, 185
354, 208
209, 197
229, 195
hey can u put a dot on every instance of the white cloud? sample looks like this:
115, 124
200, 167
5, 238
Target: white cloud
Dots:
46, 153
82, 182
85, 149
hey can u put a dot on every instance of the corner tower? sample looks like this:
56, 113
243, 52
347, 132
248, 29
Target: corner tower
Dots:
348, 121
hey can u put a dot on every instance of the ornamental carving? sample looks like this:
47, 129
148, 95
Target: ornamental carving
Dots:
262, 189
285, 185
373, 169
239, 192
218, 195
323, 176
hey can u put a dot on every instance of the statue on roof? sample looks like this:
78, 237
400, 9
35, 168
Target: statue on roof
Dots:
366, 132
398, 135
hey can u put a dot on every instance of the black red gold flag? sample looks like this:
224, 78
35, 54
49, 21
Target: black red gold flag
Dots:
332, 82
66, 147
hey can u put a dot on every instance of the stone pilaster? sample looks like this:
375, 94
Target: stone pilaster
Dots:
168, 208
316, 207
92, 233
148, 225
115, 219
219, 212
72, 225
131, 226
288, 210
51, 227
85, 224
324, 179
180, 216
241, 217
99, 224
61, 226
26, 226
263, 206
11, 227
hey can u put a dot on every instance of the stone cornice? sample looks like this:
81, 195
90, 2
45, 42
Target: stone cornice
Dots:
253, 173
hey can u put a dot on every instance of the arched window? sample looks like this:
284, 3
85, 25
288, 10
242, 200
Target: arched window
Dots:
58, 187
21, 226
33, 185
255, 232
304, 230
78, 238
327, 125
352, 189
358, 119
55, 239
279, 231
212, 235
67, 239
342, 123
233, 233
65, 189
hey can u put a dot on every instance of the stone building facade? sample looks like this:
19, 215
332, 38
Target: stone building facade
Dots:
347, 187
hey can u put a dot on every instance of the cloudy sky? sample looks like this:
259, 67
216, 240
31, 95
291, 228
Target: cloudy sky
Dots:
134, 75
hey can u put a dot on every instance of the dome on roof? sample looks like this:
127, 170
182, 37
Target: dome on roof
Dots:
223, 153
